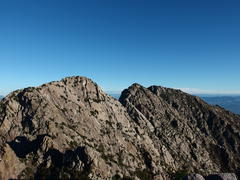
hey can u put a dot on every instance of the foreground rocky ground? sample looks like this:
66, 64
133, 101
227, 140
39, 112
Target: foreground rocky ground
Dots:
71, 129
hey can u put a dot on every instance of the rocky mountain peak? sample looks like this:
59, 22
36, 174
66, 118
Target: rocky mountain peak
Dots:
177, 120
71, 129
78, 81
67, 129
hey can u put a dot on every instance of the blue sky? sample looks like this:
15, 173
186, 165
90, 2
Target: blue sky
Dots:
187, 44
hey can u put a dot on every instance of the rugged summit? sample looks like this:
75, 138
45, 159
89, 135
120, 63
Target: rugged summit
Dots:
71, 129
188, 133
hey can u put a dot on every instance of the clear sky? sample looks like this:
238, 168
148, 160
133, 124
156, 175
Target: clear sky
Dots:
191, 44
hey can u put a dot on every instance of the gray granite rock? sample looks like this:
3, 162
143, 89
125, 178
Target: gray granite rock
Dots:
194, 177
71, 129
222, 176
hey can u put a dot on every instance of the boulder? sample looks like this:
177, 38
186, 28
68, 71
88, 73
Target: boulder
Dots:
222, 176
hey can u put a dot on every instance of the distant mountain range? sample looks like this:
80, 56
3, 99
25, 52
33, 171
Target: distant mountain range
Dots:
1, 97
231, 103
116, 96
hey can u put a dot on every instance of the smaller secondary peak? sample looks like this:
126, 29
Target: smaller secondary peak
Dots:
135, 85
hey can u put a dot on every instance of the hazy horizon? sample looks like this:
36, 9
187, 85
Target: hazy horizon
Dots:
192, 91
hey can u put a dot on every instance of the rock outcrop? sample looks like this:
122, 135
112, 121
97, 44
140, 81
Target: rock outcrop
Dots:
194, 177
187, 132
221, 176
71, 129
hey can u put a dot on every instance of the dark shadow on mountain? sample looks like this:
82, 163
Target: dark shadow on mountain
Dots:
75, 164
22, 146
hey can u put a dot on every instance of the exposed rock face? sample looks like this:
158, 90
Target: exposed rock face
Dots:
71, 129
223, 176
187, 132
194, 177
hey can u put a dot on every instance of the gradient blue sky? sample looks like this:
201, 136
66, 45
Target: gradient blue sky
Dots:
192, 44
